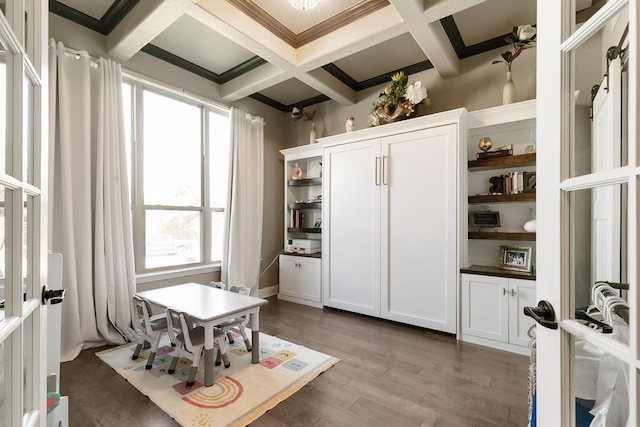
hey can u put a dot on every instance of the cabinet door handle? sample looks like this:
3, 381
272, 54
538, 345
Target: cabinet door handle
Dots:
504, 291
385, 166
513, 293
377, 170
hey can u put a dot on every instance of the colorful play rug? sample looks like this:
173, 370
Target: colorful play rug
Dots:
241, 393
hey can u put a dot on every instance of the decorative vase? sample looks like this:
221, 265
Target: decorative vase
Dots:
314, 134
530, 226
509, 91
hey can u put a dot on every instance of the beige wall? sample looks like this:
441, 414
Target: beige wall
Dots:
478, 86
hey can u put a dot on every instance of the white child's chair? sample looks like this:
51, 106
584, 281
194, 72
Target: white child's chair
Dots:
151, 328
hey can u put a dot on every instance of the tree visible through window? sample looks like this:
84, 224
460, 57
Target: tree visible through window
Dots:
179, 148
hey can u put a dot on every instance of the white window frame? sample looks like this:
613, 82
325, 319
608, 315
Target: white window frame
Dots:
139, 209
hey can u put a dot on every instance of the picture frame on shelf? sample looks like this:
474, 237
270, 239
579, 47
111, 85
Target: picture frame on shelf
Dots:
529, 182
484, 218
515, 258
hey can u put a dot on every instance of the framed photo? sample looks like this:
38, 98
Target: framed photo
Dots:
484, 219
529, 182
317, 223
517, 258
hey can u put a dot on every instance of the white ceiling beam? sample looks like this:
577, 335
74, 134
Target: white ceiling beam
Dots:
434, 10
326, 84
430, 36
145, 21
258, 79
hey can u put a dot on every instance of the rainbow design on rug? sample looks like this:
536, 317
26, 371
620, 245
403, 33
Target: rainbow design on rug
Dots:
240, 394
224, 392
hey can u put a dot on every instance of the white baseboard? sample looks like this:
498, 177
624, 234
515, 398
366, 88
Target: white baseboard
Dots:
268, 292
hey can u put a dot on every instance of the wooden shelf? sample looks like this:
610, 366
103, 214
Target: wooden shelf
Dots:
304, 182
495, 271
499, 162
490, 235
304, 230
316, 255
310, 205
503, 198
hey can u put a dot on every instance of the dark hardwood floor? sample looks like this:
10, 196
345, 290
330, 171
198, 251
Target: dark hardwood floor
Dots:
389, 375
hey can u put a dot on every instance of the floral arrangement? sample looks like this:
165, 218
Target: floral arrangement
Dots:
398, 101
521, 38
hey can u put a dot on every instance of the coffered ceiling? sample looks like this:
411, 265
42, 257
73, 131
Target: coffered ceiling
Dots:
267, 50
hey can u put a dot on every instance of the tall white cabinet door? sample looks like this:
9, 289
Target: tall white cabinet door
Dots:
351, 223
419, 223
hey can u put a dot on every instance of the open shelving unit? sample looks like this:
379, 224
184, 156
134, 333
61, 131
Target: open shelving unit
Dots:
513, 125
300, 271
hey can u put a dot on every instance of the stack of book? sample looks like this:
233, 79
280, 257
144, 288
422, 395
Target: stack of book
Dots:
495, 153
297, 218
513, 183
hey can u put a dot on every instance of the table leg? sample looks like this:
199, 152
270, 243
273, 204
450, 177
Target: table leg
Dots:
209, 351
255, 336
208, 366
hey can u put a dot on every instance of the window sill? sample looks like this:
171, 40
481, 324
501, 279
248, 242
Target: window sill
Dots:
172, 274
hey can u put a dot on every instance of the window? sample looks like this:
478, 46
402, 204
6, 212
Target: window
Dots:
179, 162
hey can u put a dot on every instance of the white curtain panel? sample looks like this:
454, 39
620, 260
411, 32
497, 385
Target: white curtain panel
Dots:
242, 254
90, 222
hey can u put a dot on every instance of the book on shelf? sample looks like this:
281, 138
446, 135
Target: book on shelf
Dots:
515, 182
495, 153
296, 218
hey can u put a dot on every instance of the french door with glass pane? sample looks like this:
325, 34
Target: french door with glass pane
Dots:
587, 84
23, 219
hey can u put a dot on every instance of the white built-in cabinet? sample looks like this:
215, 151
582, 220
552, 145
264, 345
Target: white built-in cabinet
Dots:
493, 298
300, 279
391, 220
492, 311
300, 272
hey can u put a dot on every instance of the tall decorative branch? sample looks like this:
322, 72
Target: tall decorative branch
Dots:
298, 113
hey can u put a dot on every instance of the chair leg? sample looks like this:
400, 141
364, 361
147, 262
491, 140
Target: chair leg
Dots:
174, 363
222, 352
218, 360
225, 360
230, 337
192, 377
243, 332
136, 352
152, 356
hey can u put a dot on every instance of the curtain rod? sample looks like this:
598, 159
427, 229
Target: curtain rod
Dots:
132, 75
154, 83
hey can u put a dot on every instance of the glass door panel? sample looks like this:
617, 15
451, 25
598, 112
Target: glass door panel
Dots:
27, 130
599, 250
28, 245
28, 402
598, 142
3, 108
3, 270
600, 388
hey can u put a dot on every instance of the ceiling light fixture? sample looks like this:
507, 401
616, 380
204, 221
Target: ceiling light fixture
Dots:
304, 4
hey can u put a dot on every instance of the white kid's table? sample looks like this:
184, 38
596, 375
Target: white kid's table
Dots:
210, 306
